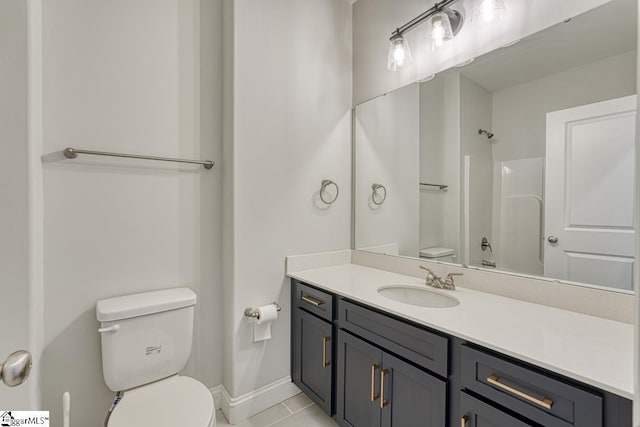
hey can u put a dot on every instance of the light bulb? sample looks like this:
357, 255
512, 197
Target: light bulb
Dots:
489, 10
399, 53
441, 31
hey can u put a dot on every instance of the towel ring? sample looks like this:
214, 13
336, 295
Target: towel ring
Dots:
375, 188
325, 184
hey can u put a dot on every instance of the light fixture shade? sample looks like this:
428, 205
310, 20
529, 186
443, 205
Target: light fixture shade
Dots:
399, 53
485, 11
441, 31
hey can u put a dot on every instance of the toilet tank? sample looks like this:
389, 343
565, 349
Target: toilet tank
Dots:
146, 336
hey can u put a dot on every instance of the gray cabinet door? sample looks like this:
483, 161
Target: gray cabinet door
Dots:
413, 397
475, 413
312, 358
358, 382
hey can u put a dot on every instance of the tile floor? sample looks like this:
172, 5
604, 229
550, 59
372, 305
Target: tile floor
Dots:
294, 412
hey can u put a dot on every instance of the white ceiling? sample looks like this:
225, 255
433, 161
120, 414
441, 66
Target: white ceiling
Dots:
603, 32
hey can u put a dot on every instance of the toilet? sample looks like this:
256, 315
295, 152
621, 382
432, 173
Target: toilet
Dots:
438, 254
146, 342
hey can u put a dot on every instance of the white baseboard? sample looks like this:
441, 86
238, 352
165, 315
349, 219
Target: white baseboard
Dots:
216, 392
238, 409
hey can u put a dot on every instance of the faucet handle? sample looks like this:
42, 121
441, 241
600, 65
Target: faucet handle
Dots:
428, 270
449, 283
431, 277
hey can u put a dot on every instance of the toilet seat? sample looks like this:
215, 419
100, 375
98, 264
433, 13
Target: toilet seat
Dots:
176, 400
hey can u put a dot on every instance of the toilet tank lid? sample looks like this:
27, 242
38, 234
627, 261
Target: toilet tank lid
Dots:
436, 252
127, 306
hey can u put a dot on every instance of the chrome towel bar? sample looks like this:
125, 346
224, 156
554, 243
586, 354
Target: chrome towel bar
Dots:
440, 186
72, 153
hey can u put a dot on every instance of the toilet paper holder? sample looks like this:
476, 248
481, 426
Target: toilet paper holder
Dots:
252, 312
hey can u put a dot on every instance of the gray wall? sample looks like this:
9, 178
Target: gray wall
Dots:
520, 127
137, 76
14, 215
288, 127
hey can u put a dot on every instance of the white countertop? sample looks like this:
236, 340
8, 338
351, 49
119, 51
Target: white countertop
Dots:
590, 349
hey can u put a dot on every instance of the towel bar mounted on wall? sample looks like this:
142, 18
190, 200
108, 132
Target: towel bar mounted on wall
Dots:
440, 186
72, 153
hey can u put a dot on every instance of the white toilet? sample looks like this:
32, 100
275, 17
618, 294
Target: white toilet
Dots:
146, 342
438, 254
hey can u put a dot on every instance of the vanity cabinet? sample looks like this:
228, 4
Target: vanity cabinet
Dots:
389, 372
377, 389
312, 345
532, 393
506, 388
367, 368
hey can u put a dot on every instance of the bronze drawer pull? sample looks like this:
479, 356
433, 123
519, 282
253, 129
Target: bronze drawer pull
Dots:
325, 362
374, 395
383, 401
545, 403
312, 301
464, 420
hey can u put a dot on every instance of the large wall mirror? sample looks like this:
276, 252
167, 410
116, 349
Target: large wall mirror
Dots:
520, 162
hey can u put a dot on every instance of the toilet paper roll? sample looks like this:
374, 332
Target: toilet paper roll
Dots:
266, 313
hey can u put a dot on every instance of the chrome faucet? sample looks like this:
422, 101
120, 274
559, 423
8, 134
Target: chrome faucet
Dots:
437, 282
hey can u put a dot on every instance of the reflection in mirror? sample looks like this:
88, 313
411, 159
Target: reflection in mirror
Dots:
522, 161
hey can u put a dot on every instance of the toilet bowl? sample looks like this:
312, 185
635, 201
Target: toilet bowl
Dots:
146, 341
161, 403
437, 253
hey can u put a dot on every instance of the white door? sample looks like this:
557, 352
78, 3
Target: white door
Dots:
14, 225
590, 193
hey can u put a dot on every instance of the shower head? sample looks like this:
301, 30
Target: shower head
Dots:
486, 132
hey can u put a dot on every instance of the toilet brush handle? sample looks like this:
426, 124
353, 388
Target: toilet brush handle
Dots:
66, 408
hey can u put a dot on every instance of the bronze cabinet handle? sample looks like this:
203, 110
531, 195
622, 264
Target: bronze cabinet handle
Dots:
464, 420
325, 362
312, 301
374, 395
495, 380
383, 402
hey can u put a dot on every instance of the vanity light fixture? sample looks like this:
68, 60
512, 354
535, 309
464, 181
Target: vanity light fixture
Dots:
485, 11
445, 24
399, 53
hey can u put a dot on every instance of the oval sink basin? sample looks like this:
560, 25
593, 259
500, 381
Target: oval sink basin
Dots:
418, 295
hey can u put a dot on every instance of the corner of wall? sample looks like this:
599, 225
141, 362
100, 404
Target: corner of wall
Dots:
228, 179
35, 197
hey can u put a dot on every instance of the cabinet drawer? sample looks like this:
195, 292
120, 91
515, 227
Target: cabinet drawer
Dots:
411, 342
476, 413
531, 393
314, 301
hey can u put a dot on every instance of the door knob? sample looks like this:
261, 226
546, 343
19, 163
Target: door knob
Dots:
16, 369
552, 239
